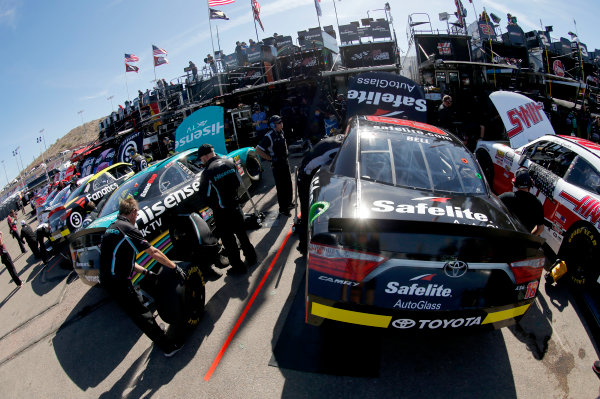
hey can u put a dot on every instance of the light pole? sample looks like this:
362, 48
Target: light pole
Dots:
15, 153
111, 103
5, 175
39, 140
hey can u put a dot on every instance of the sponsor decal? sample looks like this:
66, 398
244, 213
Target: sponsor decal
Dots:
531, 289
587, 207
148, 185
149, 213
437, 323
417, 305
423, 209
75, 219
395, 100
430, 290
152, 227
444, 48
558, 68
102, 192
93, 279
404, 122
338, 281
206, 214
525, 115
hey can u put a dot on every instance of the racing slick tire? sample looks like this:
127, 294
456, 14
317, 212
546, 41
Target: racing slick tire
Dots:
579, 250
486, 165
180, 303
253, 167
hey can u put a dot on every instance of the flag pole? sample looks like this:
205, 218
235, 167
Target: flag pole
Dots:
126, 85
212, 43
156, 81
336, 16
254, 18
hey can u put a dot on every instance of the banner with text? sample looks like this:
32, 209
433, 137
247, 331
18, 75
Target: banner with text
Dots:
203, 126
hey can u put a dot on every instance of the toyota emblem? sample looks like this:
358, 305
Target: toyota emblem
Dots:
404, 323
455, 268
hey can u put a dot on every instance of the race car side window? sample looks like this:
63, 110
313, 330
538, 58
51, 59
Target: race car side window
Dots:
172, 177
583, 175
121, 171
551, 156
345, 162
102, 181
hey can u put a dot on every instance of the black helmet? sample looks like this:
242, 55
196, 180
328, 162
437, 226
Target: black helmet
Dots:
275, 119
255, 107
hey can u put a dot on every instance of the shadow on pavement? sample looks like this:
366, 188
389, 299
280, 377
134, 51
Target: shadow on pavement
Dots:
90, 344
10, 295
159, 370
44, 278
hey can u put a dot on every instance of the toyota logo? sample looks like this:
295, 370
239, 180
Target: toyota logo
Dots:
403, 323
455, 268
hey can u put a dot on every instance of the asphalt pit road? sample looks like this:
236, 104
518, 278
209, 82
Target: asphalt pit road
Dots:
333, 348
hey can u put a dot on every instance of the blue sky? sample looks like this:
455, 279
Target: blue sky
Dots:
64, 56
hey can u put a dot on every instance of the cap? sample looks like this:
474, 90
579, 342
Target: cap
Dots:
522, 179
275, 119
22, 223
205, 149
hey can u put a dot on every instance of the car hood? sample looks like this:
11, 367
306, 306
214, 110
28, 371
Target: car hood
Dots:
370, 200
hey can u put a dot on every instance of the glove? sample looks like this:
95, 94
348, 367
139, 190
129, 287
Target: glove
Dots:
181, 273
151, 275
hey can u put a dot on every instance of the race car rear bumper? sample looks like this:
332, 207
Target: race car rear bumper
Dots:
318, 309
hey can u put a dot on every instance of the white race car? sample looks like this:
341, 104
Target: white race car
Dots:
566, 175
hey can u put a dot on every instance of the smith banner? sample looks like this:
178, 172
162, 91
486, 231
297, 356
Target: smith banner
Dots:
203, 126
386, 94
134, 140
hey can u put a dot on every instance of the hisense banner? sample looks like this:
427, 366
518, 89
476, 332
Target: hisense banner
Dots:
386, 94
203, 126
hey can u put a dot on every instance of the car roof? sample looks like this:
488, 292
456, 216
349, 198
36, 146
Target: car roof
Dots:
592, 147
404, 126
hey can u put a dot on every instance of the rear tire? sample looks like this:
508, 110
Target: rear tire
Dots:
580, 250
253, 168
181, 303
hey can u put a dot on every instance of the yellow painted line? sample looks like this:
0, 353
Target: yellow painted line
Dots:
505, 314
349, 316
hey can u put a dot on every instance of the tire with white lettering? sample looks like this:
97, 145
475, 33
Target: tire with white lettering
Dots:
252, 167
181, 303
486, 165
580, 252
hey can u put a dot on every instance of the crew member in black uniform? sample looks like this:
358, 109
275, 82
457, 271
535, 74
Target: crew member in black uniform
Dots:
8, 262
273, 147
524, 205
322, 154
42, 232
138, 162
29, 236
219, 186
120, 244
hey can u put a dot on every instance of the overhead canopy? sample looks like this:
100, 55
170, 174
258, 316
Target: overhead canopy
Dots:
83, 152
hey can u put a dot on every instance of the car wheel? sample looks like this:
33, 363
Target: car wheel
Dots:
253, 168
181, 303
486, 165
579, 251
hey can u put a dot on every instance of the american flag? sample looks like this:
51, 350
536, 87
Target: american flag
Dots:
131, 58
158, 50
256, 12
131, 68
160, 61
216, 3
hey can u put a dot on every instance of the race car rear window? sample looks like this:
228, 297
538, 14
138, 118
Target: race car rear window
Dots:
418, 162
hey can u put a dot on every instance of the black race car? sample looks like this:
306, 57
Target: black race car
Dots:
404, 233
